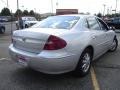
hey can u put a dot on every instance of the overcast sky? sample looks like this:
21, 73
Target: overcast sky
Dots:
44, 6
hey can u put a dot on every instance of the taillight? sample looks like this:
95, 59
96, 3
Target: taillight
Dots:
54, 43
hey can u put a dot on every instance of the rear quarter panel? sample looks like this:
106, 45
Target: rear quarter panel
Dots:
77, 41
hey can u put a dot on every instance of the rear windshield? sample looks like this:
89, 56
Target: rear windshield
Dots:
58, 22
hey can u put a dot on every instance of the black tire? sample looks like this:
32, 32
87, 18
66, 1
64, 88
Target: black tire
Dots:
115, 41
26, 26
79, 71
2, 30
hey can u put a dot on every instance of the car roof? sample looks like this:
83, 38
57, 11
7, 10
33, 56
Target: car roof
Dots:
78, 15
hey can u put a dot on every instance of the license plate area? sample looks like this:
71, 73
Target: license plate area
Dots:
22, 60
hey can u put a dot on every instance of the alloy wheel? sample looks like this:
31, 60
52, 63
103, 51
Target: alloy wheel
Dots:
86, 62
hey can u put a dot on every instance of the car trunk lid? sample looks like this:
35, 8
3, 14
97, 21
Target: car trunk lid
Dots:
33, 39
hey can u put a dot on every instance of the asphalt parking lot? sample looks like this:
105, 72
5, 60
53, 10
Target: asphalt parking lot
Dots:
105, 74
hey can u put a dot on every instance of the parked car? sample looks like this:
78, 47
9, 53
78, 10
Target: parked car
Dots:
114, 22
25, 22
4, 18
62, 44
2, 28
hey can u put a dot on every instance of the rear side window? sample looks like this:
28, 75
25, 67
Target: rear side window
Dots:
86, 23
93, 23
58, 22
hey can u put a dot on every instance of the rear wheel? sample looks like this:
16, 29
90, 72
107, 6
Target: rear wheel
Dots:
2, 30
84, 63
114, 45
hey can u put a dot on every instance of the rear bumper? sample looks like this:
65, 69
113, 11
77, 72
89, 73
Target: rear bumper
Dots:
43, 62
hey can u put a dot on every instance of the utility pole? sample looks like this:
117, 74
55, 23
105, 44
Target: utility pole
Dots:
17, 4
18, 16
104, 9
108, 10
11, 23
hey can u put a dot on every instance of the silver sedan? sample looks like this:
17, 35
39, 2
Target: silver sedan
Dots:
62, 44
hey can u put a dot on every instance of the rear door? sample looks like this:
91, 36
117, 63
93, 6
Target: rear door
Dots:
98, 36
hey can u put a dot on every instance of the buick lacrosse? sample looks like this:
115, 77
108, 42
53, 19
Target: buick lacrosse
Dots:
62, 44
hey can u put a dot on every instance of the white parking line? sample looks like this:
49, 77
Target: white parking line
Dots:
94, 79
1, 59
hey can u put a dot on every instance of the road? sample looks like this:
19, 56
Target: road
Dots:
105, 74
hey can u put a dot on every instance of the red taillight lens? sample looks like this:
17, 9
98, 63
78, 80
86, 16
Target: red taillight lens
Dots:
54, 43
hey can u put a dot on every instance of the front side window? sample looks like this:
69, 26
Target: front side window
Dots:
93, 24
58, 22
86, 23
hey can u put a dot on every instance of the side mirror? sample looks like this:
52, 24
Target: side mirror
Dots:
112, 28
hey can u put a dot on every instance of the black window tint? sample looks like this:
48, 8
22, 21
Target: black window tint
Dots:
103, 25
116, 20
93, 24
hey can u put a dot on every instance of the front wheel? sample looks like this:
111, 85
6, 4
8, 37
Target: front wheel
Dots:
114, 45
26, 26
84, 63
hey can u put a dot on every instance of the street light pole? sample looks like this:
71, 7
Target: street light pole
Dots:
52, 5
18, 17
111, 10
17, 4
104, 9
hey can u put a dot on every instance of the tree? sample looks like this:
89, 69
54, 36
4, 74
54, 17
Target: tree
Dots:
99, 15
5, 12
18, 13
32, 13
37, 16
25, 12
